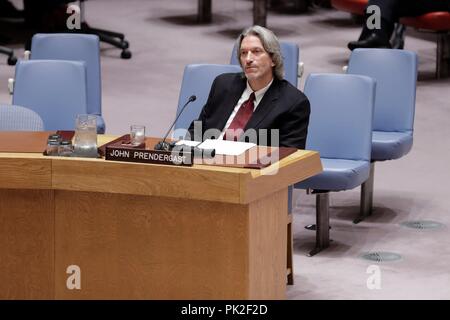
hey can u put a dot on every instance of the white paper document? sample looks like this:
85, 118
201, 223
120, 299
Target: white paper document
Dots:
226, 147
188, 143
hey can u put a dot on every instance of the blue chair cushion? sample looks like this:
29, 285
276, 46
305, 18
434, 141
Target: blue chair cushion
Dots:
338, 175
390, 145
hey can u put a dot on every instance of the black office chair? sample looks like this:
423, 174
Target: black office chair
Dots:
12, 60
8, 11
114, 38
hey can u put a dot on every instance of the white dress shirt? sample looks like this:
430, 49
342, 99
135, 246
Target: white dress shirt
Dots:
245, 95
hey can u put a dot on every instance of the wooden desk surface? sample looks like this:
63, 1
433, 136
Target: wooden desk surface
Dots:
206, 182
123, 225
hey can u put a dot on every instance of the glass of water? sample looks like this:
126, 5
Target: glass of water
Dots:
85, 141
137, 135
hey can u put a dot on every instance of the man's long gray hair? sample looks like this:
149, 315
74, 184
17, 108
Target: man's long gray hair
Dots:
270, 44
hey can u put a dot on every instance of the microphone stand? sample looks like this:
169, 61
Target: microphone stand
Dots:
165, 146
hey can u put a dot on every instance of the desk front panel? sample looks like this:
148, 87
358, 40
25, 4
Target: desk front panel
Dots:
140, 247
144, 231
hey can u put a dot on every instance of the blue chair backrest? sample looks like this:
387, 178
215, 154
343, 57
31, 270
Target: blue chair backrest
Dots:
290, 53
340, 125
17, 118
197, 80
56, 90
395, 72
78, 47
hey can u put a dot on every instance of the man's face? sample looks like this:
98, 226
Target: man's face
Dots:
255, 61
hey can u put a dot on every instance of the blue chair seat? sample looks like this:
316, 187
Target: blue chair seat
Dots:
390, 145
338, 175
54, 89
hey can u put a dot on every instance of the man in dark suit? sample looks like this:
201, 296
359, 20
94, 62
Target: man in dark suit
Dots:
256, 105
390, 12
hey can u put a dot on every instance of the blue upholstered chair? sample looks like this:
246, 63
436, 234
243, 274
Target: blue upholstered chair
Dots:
197, 80
340, 128
292, 67
395, 72
54, 89
17, 118
78, 47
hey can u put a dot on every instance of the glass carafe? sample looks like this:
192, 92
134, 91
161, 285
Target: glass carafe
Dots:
85, 141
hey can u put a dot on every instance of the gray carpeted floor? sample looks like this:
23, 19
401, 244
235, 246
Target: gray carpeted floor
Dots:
164, 38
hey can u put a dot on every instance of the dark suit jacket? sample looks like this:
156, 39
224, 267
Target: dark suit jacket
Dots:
282, 107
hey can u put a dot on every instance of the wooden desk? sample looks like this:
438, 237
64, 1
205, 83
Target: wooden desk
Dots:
141, 231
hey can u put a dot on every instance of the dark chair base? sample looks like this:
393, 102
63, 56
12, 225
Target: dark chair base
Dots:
113, 38
12, 60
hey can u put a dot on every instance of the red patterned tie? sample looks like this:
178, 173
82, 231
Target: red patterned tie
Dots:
239, 122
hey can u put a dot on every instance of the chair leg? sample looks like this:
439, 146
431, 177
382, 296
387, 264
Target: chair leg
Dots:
116, 42
322, 223
443, 55
115, 39
111, 40
290, 248
260, 12
113, 34
204, 11
301, 5
366, 203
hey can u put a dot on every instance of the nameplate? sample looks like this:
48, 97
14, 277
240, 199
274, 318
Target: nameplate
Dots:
148, 156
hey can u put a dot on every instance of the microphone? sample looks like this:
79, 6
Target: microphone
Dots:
163, 145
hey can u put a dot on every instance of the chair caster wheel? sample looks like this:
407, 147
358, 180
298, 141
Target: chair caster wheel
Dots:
125, 44
12, 61
126, 54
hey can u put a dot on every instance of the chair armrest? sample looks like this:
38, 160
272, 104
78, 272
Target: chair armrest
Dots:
11, 86
300, 69
26, 55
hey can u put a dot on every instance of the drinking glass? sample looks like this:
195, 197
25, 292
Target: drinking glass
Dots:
137, 135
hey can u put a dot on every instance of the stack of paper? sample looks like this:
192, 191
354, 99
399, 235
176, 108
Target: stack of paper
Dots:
224, 147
